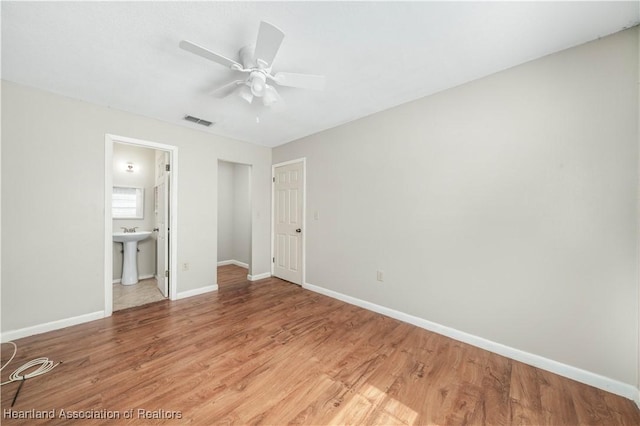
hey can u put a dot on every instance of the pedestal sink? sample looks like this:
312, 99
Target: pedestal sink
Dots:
129, 241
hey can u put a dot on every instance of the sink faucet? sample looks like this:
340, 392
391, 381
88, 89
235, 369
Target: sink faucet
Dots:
129, 230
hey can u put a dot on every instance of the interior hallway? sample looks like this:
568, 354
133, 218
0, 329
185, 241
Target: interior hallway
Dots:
232, 276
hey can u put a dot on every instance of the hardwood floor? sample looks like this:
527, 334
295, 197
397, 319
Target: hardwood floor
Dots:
232, 276
272, 353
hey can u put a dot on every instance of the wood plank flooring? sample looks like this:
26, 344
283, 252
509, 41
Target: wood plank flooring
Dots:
232, 276
272, 353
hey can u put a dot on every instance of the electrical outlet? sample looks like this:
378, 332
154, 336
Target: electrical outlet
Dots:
380, 275
185, 266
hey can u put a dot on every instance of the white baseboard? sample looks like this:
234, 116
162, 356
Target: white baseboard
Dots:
574, 373
233, 262
50, 326
141, 277
197, 291
259, 276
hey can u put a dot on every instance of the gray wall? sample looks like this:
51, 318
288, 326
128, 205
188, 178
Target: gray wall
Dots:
143, 177
242, 213
234, 212
53, 255
504, 208
225, 211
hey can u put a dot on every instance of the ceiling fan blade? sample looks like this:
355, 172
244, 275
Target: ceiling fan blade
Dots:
302, 81
227, 89
269, 41
207, 54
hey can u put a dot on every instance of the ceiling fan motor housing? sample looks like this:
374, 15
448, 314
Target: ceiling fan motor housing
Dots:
246, 57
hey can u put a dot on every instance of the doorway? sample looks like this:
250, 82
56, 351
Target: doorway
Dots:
140, 199
288, 221
234, 222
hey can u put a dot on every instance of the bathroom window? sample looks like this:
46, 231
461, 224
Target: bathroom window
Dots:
127, 203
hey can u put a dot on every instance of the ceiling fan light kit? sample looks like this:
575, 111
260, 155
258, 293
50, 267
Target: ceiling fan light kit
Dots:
258, 83
270, 97
257, 63
245, 93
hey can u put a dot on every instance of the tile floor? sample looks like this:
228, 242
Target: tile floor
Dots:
128, 296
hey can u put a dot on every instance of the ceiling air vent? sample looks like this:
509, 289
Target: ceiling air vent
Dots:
198, 120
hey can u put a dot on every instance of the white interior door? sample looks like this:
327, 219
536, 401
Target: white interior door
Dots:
162, 224
287, 238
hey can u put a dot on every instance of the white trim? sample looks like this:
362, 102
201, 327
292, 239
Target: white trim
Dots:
50, 326
637, 251
233, 262
108, 226
304, 221
197, 291
259, 276
108, 223
140, 278
302, 160
574, 373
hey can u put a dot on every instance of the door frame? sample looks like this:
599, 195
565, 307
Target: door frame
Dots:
109, 140
302, 160
165, 207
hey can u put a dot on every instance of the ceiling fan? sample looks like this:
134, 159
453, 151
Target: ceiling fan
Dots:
257, 63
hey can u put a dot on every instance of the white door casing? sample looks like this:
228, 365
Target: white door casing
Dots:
172, 179
288, 198
162, 222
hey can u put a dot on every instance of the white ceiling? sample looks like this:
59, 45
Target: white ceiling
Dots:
375, 55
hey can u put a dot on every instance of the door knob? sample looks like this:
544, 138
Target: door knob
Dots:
298, 230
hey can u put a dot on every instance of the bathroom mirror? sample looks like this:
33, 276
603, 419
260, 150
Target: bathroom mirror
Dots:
127, 203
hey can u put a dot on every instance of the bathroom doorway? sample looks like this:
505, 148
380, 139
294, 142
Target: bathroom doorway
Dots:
140, 184
234, 222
